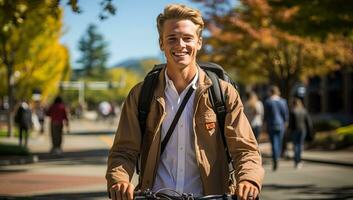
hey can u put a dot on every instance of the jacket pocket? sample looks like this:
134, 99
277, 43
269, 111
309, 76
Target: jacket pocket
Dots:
207, 122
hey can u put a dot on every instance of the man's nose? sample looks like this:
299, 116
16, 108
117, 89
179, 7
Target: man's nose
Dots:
181, 42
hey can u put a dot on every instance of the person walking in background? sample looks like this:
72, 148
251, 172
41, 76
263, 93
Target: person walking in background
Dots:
254, 110
299, 125
39, 111
104, 109
58, 115
276, 118
23, 119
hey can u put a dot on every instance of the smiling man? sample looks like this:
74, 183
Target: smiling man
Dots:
193, 159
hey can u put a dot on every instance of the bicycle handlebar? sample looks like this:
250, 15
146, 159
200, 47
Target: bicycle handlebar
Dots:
142, 195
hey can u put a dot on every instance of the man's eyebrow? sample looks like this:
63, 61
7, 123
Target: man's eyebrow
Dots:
175, 34
171, 35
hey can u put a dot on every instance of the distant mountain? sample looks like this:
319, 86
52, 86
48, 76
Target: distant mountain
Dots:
129, 63
139, 65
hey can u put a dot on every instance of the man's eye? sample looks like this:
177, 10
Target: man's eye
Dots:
171, 39
188, 39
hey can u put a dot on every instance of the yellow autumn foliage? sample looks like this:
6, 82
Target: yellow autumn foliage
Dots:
39, 60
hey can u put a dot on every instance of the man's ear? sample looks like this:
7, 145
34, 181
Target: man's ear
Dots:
199, 43
161, 44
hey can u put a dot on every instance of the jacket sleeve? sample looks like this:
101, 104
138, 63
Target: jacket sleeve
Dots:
126, 147
241, 141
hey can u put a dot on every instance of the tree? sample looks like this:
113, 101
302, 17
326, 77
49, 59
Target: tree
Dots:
314, 18
32, 50
94, 52
15, 13
246, 38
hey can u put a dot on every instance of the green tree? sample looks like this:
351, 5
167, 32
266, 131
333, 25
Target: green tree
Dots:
94, 53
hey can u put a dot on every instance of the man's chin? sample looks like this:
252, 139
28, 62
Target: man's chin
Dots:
183, 63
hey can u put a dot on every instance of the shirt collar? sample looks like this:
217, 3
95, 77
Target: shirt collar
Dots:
170, 84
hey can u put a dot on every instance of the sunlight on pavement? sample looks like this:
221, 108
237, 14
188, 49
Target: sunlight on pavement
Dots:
108, 140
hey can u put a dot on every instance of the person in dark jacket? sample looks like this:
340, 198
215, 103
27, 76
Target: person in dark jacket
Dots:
23, 119
58, 115
299, 125
276, 118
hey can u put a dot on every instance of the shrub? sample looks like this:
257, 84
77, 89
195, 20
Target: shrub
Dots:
326, 125
11, 149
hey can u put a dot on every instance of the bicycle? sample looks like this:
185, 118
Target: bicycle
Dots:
162, 195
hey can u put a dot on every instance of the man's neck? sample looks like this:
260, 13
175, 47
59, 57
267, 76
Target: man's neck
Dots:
181, 77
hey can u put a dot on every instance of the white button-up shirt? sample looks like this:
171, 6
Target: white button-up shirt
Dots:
178, 168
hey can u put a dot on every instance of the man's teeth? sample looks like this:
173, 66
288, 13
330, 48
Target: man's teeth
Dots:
180, 54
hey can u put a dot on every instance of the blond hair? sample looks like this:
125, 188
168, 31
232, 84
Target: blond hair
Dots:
179, 11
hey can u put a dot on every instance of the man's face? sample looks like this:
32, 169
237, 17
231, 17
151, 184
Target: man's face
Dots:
180, 42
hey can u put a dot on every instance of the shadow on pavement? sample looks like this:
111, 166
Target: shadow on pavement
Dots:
63, 196
6, 171
315, 193
90, 157
91, 133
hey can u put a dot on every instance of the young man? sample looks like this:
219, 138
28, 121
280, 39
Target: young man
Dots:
194, 160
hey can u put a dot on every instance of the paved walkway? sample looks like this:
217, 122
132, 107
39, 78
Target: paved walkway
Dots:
79, 172
41, 144
76, 174
337, 157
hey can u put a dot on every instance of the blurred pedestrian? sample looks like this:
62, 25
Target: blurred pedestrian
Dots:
79, 111
39, 111
299, 125
58, 115
254, 110
23, 119
104, 109
276, 118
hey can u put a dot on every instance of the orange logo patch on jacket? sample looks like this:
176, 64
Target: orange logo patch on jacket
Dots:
210, 125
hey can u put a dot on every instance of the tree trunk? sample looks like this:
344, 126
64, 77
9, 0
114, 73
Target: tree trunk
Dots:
9, 65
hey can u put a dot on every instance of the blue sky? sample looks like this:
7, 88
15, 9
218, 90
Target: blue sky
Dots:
131, 33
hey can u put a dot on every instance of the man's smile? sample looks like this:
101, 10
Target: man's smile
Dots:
180, 54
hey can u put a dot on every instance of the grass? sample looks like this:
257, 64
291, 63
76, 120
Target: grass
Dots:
3, 132
12, 150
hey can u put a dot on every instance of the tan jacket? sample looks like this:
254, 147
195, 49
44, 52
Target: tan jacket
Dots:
210, 154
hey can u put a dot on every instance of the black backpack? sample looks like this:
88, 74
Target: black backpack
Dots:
213, 71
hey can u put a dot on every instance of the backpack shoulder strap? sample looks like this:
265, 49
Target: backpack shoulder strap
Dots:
146, 95
217, 100
145, 99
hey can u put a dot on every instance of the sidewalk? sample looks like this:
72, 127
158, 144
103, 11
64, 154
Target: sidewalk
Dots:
78, 173
41, 144
336, 157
